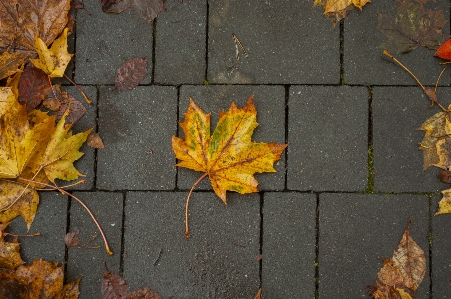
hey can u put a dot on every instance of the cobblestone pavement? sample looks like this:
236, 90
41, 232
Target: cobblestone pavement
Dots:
347, 185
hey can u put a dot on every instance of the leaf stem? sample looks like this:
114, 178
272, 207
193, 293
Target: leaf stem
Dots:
107, 247
187, 235
80, 90
404, 67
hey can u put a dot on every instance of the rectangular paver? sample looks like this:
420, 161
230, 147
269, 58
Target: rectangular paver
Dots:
105, 41
270, 104
289, 243
277, 36
328, 138
363, 60
136, 127
180, 46
50, 221
88, 263
398, 162
358, 231
218, 261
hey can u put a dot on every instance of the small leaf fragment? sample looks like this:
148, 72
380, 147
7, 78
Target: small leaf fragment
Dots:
131, 73
445, 203
146, 9
71, 238
95, 141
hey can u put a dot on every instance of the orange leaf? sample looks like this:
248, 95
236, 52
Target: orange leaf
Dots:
444, 51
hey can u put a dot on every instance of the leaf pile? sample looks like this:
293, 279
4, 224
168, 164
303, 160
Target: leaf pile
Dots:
413, 26
337, 10
401, 275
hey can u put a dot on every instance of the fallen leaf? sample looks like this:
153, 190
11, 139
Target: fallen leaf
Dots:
403, 273
24, 20
9, 251
17, 200
445, 176
10, 63
114, 287
337, 9
444, 51
444, 205
7, 99
106, 4
79, 4
228, 157
95, 141
34, 87
146, 9
76, 108
71, 238
53, 61
131, 73
259, 294
412, 27
40, 280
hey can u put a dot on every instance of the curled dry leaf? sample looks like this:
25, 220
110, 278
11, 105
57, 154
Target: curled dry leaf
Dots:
403, 273
445, 176
40, 280
52, 61
34, 87
24, 20
131, 73
10, 63
95, 141
412, 27
114, 287
337, 9
9, 251
146, 9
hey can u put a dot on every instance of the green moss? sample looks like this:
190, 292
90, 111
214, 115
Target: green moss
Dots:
370, 187
206, 83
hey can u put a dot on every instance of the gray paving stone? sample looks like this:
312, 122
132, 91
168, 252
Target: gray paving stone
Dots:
289, 241
441, 243
88, 263
50, 221
327, 133
356, 231
398, 163
218, 261
278, 37
86, 163
136, 127
105, 41
180, 43
270, 104
364, 62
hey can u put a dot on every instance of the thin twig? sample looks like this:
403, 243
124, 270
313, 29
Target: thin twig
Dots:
107, 247
187, 235
63, 187
404, 67
439, 76
80, 90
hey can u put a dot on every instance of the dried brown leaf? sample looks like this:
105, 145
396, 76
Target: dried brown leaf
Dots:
71, 238
412, 27
146, 9
23, 20
76, 111
34, 87
445, 176
95, 141
10, 63
131, 73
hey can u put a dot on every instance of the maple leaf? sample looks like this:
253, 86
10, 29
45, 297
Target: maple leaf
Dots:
412, 27
228, 157
403, 273
337, 9
40, 280
54, 61
10, 63
23, 20
9, 251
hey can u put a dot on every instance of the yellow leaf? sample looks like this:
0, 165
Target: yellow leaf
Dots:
228, 157
403, 294
9, 251
7, 99
445, 203
62, 151
337, 9
13, 82
17, 200
54, 61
